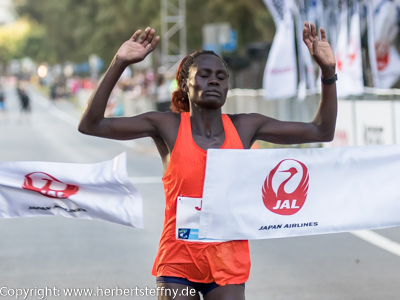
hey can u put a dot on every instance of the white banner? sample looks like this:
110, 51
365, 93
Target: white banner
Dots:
368, 25
386, 17
272, 193
329, 19
306, 67
98, 191
280, 75
348, 55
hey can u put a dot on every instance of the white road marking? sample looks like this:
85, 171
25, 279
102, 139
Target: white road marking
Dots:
378, 240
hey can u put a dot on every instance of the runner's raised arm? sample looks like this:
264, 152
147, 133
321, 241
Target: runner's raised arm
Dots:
93, 122
252, 127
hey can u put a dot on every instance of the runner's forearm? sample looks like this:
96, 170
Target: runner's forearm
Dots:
94, 111
325, 118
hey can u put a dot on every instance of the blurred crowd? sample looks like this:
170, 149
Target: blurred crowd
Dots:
141, 91
136, 91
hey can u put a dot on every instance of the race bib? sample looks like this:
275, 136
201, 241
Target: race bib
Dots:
188, 219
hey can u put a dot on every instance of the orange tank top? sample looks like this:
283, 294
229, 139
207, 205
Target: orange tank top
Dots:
223, 263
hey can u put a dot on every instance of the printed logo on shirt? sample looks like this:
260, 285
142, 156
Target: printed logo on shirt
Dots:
183, 233
48, 186
285, 189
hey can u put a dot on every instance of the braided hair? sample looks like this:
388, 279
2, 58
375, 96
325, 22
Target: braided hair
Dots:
180, 98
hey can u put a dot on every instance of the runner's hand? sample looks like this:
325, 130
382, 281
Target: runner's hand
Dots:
136, 49
320, 49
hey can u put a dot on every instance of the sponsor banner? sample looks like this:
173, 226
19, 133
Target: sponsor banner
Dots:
312, 8
374, 122
385, 24
306, 67
388, 68
280, 75
345, 125
98, 191
348, 55
277, 9
273, 193
368, 25
329, 19
188, 220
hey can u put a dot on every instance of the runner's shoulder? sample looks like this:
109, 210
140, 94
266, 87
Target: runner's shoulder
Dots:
246, 119
163, 119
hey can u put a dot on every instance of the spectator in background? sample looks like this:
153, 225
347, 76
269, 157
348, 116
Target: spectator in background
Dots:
3, 110
163, 94
24, 100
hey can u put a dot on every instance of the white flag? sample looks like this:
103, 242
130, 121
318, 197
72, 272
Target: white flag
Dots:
385, 21
98, 191
280, 75
306, 67
348, 55
259, 194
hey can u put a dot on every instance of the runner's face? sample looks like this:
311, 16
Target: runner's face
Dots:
208, 82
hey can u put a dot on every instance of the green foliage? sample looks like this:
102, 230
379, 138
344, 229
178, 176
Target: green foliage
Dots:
249, 17
36, 45
12, 38
74, 29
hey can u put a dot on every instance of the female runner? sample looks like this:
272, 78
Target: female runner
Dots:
216, 270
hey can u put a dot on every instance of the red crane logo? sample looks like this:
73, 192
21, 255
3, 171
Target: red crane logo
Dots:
282, 202
48, 186
352, 54
382, 57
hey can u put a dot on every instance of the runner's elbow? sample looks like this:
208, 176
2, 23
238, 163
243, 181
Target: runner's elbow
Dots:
84, 128
327, 136
323, 132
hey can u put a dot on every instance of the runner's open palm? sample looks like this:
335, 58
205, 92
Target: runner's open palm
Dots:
136, 49
320, 49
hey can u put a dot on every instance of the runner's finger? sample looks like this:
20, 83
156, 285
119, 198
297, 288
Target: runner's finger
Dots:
323, 35
136, 35
155, 42
144, 36
149, 38
313, 30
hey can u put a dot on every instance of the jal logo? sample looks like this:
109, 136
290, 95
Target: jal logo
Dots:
382, 55
285, 188
48, 186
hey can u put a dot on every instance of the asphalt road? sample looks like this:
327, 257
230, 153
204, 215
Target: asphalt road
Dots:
59, 253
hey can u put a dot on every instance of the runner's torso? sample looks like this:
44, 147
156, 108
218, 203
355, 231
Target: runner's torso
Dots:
224, 263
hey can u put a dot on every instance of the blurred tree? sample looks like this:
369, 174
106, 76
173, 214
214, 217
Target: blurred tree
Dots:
76, 28
12, 39
36, 45
250, 18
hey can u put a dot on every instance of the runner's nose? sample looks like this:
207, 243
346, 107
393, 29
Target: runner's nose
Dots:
213, 81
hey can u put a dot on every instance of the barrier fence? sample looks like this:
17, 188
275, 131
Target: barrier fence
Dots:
370, 119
